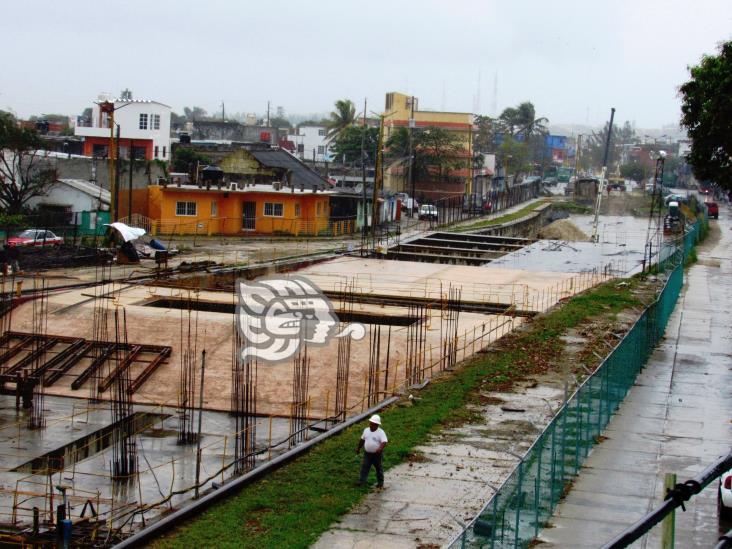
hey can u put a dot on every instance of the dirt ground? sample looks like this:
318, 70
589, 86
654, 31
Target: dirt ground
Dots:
563, 229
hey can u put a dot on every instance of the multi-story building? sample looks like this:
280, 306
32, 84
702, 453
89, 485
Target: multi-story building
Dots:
402, 111
312, 143
144, 128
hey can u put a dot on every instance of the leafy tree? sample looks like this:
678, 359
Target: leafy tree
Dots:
593, 147
707, 115
514, 156
635, 171
521, 124
24, 171
341, 118
435, 151
177, 121
185, 160
279, 122
522, 120
195, 113
348, 144
484, 139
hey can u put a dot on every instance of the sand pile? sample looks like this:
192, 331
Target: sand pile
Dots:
563, 229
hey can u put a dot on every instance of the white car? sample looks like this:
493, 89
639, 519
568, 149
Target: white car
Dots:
428, 211
725, 495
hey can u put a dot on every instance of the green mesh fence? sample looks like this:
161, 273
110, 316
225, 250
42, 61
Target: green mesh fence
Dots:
526, 500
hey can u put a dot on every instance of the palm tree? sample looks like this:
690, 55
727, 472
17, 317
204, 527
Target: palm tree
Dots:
341, 118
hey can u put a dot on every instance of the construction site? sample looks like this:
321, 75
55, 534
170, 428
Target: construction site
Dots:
125, 395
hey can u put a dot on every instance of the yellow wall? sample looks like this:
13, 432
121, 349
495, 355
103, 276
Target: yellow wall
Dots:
242, 163
397, 113
313, 218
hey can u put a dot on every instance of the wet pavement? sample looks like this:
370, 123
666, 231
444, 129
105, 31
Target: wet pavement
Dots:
676, 419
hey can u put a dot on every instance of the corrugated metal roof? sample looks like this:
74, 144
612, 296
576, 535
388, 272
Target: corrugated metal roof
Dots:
89, 188
301, 174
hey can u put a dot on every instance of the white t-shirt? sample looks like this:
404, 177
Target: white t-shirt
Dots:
373, 439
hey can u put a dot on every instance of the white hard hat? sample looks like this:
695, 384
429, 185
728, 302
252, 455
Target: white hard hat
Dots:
375, 419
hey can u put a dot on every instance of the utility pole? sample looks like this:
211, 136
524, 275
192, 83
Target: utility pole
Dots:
129, 196
601, 187
268, 114
410, 169
108, 108
377, 176
576, 156
117, 167
363, 177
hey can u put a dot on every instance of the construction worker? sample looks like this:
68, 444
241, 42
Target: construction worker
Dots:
373, 440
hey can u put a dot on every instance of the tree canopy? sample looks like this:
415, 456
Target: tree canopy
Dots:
707, 115
435, 151
341, 118
24, 172
186, 159
347, 146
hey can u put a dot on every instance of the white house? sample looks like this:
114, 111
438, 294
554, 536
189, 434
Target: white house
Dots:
311, 143
144, 126
74, 195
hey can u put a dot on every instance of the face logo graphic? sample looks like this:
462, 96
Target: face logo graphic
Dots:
277, 315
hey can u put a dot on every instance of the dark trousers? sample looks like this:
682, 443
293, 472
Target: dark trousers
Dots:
370, 459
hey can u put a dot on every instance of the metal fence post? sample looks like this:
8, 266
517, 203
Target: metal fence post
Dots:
520, 498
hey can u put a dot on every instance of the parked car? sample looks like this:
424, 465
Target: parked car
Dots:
428, 211
35, 237
724, 495
550, 181
712, 209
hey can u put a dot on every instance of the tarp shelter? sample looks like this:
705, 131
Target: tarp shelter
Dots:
128, 253
125, 231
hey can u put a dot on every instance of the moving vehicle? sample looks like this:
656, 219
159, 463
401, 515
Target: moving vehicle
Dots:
712, 209
704, 188
724, 501
35, 237
428, 211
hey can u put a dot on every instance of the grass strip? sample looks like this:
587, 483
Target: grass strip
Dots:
294, 505
526, 210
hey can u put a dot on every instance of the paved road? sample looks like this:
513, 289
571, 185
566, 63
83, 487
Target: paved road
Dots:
677, 418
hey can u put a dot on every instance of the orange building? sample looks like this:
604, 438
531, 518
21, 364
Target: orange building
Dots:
402, 111
254, 209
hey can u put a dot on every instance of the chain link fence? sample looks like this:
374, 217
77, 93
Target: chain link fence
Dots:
526, 500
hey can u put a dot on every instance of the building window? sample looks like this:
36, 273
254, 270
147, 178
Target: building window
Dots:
143, 121
164, 151
156, 151
214, 208
297, 209
321, 149
321, 132
155, 121
185, 208
273, 209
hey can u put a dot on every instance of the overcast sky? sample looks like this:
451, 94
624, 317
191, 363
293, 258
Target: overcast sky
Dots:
573, 59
